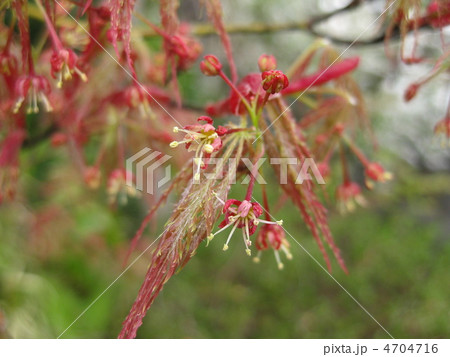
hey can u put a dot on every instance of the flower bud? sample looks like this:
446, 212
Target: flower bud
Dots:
443, 127
324, 168
58, 139
274, 81
210, 66
92, 177
267, 63
375, 172
411, 92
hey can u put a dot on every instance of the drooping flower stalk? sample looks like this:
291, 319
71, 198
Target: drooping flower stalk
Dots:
189, 224
243, 214
121, 22
180, 49
215, 13
63, 60
271, 237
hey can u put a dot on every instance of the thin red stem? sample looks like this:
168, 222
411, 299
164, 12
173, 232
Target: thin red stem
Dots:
253, 174
345, 173
357, 152
233, 87
51, 29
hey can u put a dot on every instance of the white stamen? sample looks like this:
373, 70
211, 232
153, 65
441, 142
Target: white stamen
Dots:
257, 259
225, 247
286, 252
222, 229
277, 257
60, 80
67, 74
209, 238
246, 236
280, 222
81, 74
18, 105
217, 196
45, 101
198, 161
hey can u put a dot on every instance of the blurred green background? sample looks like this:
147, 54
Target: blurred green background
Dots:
62, 246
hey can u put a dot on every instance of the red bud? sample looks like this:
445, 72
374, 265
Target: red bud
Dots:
210, 66
274, 81
267, 63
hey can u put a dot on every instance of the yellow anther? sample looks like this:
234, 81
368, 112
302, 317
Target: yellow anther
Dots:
208, 148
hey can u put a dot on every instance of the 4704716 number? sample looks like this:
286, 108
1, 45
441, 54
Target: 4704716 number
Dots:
411, 348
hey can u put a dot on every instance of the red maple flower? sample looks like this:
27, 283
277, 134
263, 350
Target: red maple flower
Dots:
36, 88
272, 237
442, 128
347, 195
210, 66
204, 139
438, 13
267, 63
64, 65
375, 173
137, 96
117, 187
241, 214
274, 81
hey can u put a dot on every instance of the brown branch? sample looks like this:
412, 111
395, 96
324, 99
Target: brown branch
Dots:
261, 28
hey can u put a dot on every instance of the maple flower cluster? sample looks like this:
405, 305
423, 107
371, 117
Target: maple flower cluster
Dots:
272, 237
205, 140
